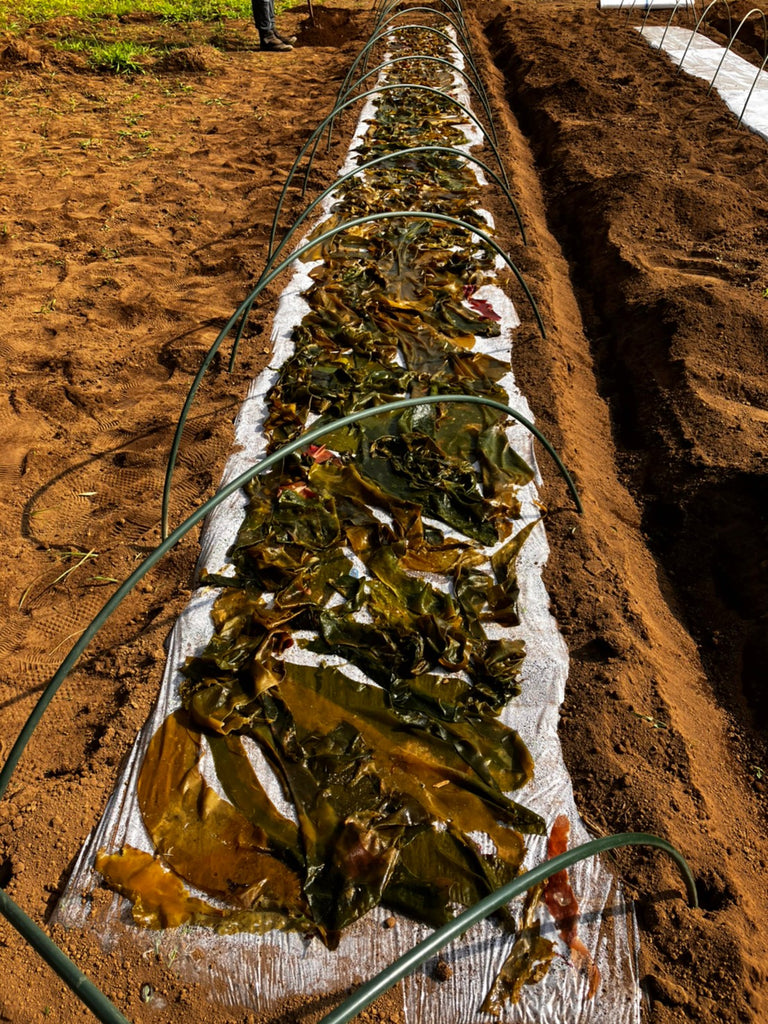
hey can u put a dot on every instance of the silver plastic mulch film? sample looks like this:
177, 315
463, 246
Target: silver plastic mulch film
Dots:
263, 971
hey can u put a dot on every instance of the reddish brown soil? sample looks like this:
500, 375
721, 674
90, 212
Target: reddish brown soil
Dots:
134, 211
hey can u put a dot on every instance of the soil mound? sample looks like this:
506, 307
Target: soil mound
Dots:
190, 58
671, 282
18, 52
331, 27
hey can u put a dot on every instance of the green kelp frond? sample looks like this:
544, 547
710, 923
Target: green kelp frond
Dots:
375, 775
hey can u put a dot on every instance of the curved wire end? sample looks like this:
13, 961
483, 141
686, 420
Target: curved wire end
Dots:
408, 963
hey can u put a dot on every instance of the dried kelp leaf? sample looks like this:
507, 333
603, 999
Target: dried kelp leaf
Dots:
161, 900
302, 520
413, 468
356, 496
438, 870
417, 595
496, 672
411, 627
466, 321
449, 556
527, 963
244, 626
450, 709
496, 753
245, 613
503, 470
421, 765
382, 650
242, 786
202, 838
222, 707
349, 825
159, 897
472, 593
502, 598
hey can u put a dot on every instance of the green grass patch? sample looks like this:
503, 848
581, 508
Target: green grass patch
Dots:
18, 16
30, 12
120, 58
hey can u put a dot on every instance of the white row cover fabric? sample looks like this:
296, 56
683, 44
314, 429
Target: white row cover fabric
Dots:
644, 5
733, 81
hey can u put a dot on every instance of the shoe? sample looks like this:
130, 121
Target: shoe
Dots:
274, 44
290, 40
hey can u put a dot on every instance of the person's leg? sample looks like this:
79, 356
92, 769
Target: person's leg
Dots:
264, 19
263, 16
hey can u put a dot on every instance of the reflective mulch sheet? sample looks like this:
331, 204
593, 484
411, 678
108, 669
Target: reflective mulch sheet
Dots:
644, 5
743, 87
263, 969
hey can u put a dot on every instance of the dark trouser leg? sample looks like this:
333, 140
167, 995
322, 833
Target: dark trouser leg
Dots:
264, 16
264, 19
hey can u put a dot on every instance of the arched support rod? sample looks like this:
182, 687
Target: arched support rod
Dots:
48, 950
684, 3
752, 89
448, 150
394, 155
378, 36
474, 85
395, 87
408, 963
732, 40
383, 8
314, 137
704, 13
267, 279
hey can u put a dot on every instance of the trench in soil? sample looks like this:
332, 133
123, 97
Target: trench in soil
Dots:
706, 525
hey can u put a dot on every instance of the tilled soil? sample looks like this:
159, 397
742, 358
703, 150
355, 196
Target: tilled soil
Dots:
135, 210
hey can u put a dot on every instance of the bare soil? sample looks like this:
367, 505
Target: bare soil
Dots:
134, 213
